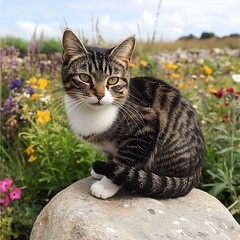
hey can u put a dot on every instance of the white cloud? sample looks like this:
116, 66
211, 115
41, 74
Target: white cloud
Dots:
148, 17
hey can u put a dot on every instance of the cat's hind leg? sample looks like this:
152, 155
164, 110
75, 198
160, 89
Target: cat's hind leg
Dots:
104, 188
95, 175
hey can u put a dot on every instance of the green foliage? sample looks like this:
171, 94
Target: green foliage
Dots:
207, 35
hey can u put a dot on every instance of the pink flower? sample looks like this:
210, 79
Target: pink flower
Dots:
5, 201
15, 193
5, 184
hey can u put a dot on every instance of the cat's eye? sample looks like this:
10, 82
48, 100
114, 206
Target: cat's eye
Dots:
85, 78
113, 80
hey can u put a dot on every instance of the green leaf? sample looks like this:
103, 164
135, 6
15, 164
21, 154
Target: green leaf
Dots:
225, 150
217, 189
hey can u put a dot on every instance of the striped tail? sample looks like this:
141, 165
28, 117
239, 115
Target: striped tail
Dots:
147, 183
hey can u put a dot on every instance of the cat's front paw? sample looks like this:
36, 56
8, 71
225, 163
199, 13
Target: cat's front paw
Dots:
104, 188
95, 175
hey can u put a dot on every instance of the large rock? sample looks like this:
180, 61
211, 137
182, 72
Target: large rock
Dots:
75, 214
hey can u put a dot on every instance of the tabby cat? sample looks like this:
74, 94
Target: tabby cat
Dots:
149, 132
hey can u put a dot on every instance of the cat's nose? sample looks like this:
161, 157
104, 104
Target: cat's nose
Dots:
99, 95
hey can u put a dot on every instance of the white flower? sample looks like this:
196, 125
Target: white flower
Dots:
236, 77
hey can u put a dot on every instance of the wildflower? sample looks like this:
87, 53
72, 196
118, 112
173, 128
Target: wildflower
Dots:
206, 80
229, 90
43, 116
171, 66
189, 83
30, 90
143, 63
25, 108
132, 65
15, 193
16, 83
236, 77
5, 184
207, 70
34, 96
237, 93
32, 158
219, 93
33, 81
30, 150
176, 75
5, 201
218, 107
180, 86
226, 103
225, 117
42, 83
212, 90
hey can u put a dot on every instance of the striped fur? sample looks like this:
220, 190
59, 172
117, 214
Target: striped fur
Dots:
154, 145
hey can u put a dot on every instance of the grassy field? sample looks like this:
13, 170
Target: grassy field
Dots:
40, 155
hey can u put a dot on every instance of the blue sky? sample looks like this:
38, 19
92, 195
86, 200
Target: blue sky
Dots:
119, 18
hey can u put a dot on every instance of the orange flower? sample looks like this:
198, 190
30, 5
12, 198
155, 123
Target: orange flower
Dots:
132, 65
180, 86
30, 150
171, 66
207, 70
189, 83
218, 107
33, 81
43, 116
35, 96
212, 90
176, 75
42, 83
32, 158
143, 63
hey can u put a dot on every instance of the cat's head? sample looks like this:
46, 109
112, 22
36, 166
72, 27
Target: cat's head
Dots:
96, 77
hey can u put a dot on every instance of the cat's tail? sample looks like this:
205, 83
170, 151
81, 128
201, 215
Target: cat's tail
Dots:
147, 183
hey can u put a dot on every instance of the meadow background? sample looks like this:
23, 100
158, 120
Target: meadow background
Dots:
40, 155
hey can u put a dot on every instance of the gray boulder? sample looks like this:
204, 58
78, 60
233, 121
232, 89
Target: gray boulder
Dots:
75, 214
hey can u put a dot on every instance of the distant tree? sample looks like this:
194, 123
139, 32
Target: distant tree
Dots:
207, 35
187, 37
234, 35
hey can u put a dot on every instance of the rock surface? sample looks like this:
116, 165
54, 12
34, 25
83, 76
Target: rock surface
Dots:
74, 214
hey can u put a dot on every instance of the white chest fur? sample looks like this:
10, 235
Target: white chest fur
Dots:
86, 120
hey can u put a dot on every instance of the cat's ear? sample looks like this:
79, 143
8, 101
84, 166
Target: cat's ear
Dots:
124, 50
72, 46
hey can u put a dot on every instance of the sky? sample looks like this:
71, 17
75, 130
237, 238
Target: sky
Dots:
119, 19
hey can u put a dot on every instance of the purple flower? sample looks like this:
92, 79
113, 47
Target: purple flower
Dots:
5, 184
30, 90
16, 83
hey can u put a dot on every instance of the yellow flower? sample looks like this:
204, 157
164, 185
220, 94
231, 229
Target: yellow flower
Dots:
132, 65
207, 70
189, 83
35, 96
30, 150
42, 83
143, 63
43, 116
176, 75
212, 90
33, 81
32, 158
171, 66
180, 86
206, 80
218, 107
25, 108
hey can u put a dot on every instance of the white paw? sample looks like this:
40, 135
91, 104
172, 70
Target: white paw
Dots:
104, 188
95, 175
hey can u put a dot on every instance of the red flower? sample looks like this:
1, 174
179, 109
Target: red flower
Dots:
225, 117
237, 93
226, 103
229, 90
219, 93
